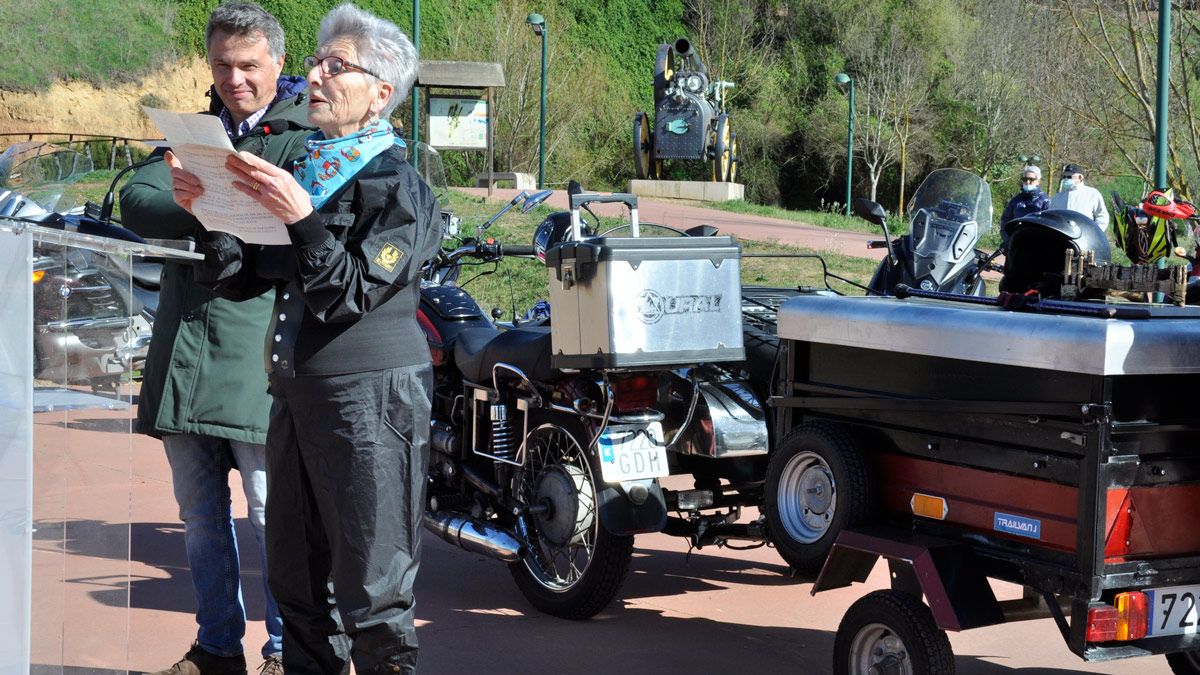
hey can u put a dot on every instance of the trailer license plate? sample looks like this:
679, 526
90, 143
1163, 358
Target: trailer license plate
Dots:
1173, 610
629, 452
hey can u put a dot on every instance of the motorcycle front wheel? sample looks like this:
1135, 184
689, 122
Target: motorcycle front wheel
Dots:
573, 566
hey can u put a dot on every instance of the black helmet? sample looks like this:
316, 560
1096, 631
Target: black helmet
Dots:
552, 231
1037, 246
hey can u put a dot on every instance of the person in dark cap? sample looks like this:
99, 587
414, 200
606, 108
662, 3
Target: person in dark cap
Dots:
1030, 199
1076, 196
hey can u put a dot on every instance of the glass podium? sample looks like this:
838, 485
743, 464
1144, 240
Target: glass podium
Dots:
75, 316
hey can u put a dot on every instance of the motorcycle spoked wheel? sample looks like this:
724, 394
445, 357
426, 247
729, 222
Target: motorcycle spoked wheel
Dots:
573, 567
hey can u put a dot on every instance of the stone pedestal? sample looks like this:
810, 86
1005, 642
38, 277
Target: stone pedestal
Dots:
702, 191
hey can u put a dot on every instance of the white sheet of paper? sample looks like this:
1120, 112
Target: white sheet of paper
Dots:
201, 144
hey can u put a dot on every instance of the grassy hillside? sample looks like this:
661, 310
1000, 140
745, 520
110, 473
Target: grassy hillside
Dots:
48, 40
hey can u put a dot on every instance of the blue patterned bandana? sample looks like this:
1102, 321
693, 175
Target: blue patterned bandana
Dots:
330, 164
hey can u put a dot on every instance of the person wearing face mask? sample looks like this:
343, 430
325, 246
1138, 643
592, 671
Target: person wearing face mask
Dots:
1030, 199
1080, 198
348, 367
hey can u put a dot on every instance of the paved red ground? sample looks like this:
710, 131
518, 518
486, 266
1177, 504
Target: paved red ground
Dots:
104, 496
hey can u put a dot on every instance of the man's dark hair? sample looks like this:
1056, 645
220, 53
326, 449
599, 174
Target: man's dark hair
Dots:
245, 19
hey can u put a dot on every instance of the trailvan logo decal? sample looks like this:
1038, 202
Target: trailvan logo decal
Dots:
1018, 525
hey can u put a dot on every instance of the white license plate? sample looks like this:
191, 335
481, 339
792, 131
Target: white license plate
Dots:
629, 452
1173, 610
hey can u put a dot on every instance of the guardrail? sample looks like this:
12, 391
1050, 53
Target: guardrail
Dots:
84, 140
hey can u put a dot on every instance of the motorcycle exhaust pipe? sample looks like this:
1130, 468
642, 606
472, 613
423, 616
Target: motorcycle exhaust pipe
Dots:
474, 536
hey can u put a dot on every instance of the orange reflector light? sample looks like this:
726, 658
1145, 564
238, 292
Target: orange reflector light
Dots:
1102, 623
1133, 615
38, 275
928, 506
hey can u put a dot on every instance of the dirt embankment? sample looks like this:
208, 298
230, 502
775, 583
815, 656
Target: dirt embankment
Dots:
78, 107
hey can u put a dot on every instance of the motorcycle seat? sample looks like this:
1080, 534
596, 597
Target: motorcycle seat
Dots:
477, 350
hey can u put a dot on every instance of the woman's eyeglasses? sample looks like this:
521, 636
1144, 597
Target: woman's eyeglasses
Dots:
332, 66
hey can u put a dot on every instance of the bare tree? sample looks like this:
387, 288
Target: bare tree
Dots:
908, 107
517, 105
1122, 35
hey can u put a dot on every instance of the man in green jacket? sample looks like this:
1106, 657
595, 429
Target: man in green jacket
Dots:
204, 390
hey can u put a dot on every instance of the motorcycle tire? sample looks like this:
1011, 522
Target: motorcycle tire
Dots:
574, 566
817, 485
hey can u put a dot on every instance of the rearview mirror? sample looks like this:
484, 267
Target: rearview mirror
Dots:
532, 201
869, 211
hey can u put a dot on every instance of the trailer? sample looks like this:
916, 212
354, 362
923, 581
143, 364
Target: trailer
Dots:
1058, 450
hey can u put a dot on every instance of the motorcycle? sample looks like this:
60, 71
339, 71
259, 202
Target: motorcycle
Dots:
93, 311
950, 212
552, 463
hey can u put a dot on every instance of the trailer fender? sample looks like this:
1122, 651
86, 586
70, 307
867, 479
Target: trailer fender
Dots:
946, 572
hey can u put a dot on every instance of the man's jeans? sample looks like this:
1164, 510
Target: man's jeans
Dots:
200, 468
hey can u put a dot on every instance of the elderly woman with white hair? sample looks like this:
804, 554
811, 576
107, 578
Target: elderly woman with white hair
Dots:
349, 369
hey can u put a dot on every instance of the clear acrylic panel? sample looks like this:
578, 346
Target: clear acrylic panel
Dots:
86, 325
75, 334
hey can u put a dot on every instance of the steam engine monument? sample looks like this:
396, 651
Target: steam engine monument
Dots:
689, 123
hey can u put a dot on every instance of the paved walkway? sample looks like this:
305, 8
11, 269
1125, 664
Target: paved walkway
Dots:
683, 215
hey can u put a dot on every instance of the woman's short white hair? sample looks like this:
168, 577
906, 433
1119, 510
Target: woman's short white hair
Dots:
382, 48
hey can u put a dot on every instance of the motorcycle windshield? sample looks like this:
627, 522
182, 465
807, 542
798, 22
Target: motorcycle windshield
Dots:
428, 163
41, 175
950, 212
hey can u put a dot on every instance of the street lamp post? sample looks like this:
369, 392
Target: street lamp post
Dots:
1163, 90
538, 23
416, 92
845, 82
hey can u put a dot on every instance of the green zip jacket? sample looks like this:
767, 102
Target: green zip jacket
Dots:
204, 371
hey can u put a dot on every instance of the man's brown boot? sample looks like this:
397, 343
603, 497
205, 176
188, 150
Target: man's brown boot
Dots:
199, 662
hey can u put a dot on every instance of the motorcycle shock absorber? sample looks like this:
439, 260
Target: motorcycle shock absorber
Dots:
504, 433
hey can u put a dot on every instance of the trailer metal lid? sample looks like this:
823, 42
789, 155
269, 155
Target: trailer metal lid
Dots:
1166, 344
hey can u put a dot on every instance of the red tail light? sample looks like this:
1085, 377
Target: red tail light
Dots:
1129, 619
635, 392
1102, 624
1133, 615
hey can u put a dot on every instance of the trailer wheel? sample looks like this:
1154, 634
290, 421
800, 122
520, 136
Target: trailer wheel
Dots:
1185, 663
891, 632
817, 485
643, 147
